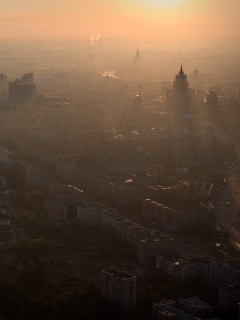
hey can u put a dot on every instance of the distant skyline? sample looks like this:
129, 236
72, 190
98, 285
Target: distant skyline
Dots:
139, 19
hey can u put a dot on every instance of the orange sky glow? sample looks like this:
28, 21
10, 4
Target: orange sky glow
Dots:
120, 18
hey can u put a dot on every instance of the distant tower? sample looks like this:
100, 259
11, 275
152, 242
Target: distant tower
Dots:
196, 81
211, 100
182, 100
195, 74
137, 57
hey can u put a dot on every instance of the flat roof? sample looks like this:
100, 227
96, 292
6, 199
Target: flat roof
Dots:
119, 273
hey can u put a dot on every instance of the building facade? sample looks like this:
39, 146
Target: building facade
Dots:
120, 287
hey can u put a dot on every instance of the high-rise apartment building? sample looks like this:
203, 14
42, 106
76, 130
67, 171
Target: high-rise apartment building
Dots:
120, 287
137, 57
22, 91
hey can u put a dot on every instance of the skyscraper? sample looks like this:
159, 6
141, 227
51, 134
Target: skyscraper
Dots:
182, 95
137, 57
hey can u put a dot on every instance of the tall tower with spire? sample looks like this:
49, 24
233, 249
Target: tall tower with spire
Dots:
137, 57
182, 102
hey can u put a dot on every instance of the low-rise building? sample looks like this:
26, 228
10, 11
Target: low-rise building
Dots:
157, 306
195, 306
170, 312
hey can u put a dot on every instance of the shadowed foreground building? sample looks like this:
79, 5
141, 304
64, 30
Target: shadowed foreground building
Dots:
120, 287
195, 306
229, 298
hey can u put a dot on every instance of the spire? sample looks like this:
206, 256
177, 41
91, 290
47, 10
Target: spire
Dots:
137, 53
181, 73
137, 56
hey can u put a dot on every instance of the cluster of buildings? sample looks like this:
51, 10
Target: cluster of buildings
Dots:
155, 211
220, 275
145, 162
60, 197
146, 242
184, 309
120, 287
170, 258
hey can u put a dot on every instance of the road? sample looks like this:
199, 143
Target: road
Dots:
228, 207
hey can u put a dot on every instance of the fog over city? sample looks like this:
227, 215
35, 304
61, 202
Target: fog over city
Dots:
119, 159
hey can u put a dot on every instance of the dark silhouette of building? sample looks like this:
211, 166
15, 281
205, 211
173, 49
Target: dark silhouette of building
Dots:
195, 79
137, 57
3, 84
27, 78
22, 91
181, 99
182, 94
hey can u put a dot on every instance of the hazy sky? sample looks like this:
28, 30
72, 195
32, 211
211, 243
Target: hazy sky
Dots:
119, 18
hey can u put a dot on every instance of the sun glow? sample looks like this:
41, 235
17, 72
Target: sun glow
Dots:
116, 18
164, 3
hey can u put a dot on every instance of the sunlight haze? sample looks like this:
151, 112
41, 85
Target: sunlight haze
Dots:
120, 19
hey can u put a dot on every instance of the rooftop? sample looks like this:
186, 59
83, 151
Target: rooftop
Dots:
119, 273
194, 302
